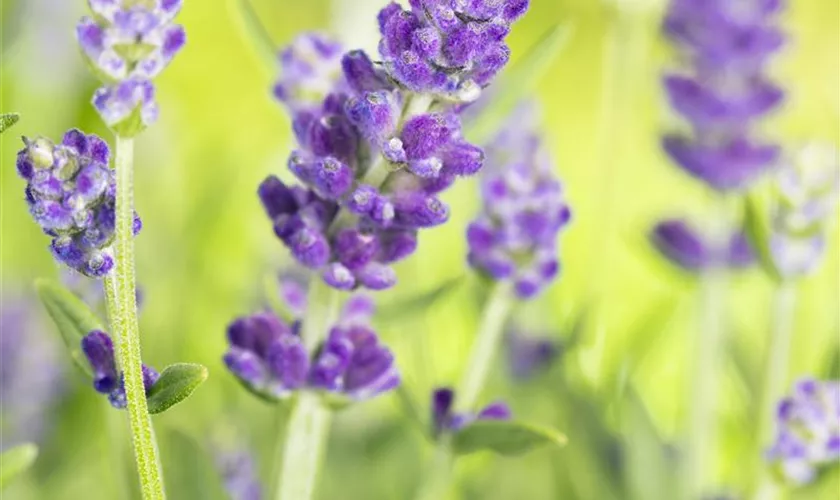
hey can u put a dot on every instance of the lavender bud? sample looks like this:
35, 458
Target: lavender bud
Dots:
689, 249
446, 420
99, 351
127, 107
309, 71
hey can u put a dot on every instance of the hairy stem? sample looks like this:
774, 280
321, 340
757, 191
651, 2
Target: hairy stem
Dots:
709, 341
775, 377
121, 301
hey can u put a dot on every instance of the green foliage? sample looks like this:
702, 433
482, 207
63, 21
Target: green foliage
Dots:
7, 120
16, 461
504, 437
176, 383
759, 230
71, 316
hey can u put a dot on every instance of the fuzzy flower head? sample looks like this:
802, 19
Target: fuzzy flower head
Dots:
808, 187
524, 208
687, 248
448, 48
371, 167
71, 195
724, 90
107, 379
268, 356
446, 420
808, 430
127, 43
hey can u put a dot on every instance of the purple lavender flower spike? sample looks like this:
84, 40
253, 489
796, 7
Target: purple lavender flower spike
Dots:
127, 107
687, 248
515, 237
309, 71
725, 90
528, 355
808, 430
71, 195
99, 351
446, 420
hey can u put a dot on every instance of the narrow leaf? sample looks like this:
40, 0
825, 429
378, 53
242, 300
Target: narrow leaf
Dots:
71, 316
421, 302
176, 383
759, 232
16, 461
7, 120
504, 437
516, 83
649, 469
255, 32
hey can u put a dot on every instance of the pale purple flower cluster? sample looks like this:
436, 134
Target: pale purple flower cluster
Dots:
372, 160
71, 194
239, 474
267, 354
529, 354
127, 44
107, 379
450, 48
687, 248
725, 90
808, 189
524, 208
808, 435
446, 420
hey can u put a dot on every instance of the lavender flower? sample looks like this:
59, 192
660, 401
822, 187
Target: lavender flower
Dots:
269, 357
808, 435
446, 420
31, 376
99, 351
528, 355
515, 236
686, 247
725, 91
127, 44
808, 187
239, 474
371, 160
71, 195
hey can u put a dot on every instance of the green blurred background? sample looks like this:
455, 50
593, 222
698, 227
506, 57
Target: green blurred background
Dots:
206, 249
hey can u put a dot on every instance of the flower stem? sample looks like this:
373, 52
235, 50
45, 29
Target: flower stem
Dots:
496, 311
309, 423
775, 377
709, 342
122, 312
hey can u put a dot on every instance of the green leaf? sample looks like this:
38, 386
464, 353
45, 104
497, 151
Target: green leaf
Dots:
255, 32
504, 437
759, 231
16, 461
421, 302
7, 120
516, 83
71, 316
649, 469
176, 383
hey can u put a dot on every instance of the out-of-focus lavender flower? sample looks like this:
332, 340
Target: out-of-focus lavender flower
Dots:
71, 194
107, 379
127, 44
725, 90
686, 247
445, 47
528, 354
524, 208
239, 474
808, 430
446, 420
808, 188
371, 158
269, 357
31, 369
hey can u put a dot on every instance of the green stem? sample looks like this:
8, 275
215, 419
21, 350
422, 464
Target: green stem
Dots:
496, 311
775, 378
122, 311
709, 341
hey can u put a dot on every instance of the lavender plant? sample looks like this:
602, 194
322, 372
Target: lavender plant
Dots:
722, 94
87, 209
685, 247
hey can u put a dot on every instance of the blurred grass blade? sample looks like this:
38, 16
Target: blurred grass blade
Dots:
514, 84
73, 318
7, 120
504, 437
176, 383
16, 461
649, 470
420, 302
255, 32
758, 229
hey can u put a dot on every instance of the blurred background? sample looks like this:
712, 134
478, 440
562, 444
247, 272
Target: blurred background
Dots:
207, 254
